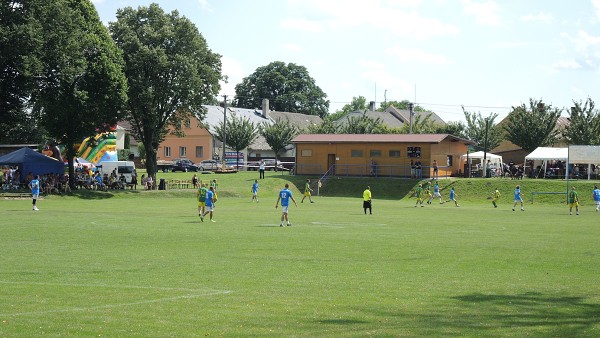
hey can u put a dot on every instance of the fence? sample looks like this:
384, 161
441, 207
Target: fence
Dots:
360, 170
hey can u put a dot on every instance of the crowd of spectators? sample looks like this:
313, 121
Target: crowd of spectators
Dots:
85, 178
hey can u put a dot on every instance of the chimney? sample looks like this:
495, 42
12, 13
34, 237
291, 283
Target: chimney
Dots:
265, 108
372, 106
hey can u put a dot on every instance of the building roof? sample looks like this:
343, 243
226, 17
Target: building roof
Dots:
214, 117
376, 138
391, 116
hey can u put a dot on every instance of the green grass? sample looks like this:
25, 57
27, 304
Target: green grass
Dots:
141, 263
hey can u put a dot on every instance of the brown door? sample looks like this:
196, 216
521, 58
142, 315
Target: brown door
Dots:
330, 162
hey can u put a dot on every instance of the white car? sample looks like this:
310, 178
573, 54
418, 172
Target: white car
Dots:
210, 165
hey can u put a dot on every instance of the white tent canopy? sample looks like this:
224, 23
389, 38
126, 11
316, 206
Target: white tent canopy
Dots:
494, 159
548, 153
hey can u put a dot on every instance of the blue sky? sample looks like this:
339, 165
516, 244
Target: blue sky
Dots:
486, 55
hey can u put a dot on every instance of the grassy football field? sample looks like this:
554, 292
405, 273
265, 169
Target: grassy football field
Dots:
142, 264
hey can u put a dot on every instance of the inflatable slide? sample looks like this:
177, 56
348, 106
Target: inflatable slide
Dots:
102, 147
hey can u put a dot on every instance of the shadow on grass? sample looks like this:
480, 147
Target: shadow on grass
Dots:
560, 315
526, 314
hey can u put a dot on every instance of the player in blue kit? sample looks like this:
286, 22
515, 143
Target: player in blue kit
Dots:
34, 185
255, 191
284, 196
210, 203
518, 198
596, 194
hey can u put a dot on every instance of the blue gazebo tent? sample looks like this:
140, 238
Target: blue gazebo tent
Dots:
28, 160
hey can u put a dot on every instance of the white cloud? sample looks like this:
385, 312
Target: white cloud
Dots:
402, 54
396, 16
566, 65
205, 5
596, 4
485, 13
234, 71
584, 41
540, 17
302, 25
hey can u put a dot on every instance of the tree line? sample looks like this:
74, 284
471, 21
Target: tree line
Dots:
65, 76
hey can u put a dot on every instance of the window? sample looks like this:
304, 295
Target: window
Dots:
356, 153
188, 124
199, 151
394, 153
375, 153
182, 152
449, 160
167, 151
306, 152
413, 152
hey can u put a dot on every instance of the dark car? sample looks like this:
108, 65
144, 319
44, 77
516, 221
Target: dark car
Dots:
183, 164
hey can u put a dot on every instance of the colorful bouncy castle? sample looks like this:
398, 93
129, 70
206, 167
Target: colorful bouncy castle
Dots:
102, 147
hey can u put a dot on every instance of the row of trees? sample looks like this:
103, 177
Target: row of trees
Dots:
528, 126
64, 75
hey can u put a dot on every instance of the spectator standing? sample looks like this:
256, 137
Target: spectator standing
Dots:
195, 181
284, 196
435, 169
261, 169
573, 201
367, 198
34, 185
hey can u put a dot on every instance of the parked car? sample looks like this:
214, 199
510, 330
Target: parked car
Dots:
269, 165
183, 164
211, 165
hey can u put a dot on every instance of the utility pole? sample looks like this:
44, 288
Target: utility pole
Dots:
485, 142
224, 131
411, 107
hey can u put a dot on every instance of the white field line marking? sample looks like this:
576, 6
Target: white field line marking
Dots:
201, 293
110, 306
106, 286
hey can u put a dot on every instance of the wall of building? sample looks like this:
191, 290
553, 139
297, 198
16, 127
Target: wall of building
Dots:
196, 145
391, 158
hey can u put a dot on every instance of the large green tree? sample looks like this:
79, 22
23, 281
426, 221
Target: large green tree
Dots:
239, 132
170, 71
357, 104
531, 126
483, 130
584, 124
279, 135
20, 45
362, 124
289, 87
456, 128
82, 88
328, 126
